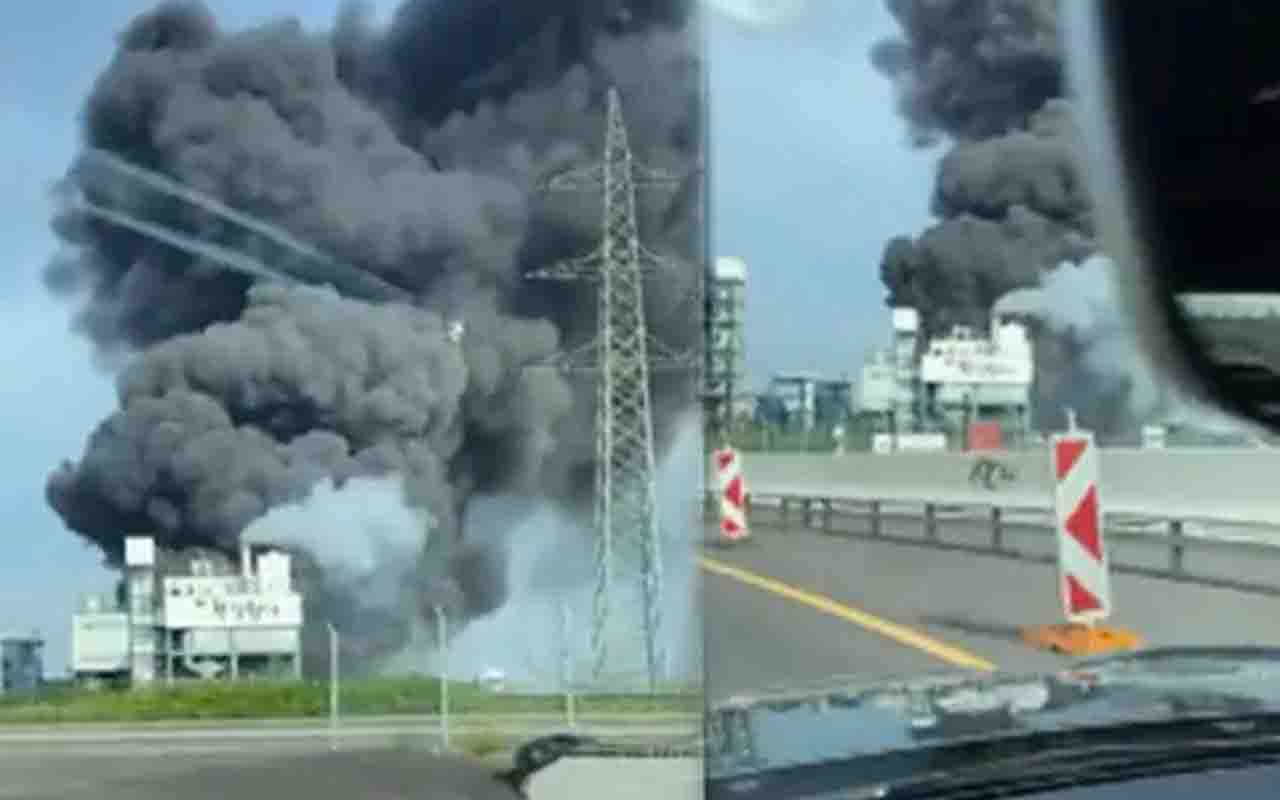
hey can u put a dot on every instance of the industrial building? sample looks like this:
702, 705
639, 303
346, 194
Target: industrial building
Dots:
805, 402
952, 382
726, 348
210, 621
21, 662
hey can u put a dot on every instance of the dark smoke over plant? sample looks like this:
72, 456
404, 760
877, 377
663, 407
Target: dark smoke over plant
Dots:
408, 154
987, 76
972, 69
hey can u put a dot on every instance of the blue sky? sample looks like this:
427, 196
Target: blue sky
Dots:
811, 177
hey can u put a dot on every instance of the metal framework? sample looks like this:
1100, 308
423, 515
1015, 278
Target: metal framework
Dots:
622, 357
722, 327
716, 394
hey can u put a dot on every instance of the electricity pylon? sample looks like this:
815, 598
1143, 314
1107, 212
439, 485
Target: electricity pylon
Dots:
622, 357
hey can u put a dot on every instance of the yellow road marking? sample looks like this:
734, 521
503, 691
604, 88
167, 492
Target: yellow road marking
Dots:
890, 630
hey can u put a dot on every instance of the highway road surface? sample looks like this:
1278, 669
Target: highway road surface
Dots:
353, 732
389, 774
796, 605
381, 759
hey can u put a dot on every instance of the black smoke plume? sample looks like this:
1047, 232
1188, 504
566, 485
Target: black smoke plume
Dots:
987, 76
407, 154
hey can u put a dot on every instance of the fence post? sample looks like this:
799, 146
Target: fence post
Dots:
333, 686
875, 518
827, 513
784, 509
930, 521
806, 507
442, 636
997, 528
1177, 546
566, 665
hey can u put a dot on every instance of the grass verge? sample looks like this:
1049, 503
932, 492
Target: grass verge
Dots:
382, 696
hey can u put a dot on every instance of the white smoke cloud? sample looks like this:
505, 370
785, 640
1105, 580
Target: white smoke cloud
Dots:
349, 531
362, 535
551, 566
1081, 301
761, 13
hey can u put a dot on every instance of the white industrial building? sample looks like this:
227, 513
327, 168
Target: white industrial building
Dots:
950, 381
889, 384
727, 371
213, 621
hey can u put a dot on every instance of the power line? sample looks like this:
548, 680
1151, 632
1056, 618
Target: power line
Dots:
622, 357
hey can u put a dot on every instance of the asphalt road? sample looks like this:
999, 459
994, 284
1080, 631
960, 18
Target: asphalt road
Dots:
796, 605
381, 774
378, 760
358, 732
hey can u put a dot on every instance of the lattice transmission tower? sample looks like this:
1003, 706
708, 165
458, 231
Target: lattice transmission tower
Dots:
622, 357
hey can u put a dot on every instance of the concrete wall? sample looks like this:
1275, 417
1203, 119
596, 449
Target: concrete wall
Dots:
1228, 485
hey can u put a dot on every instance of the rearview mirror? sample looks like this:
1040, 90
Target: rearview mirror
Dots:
1179, 103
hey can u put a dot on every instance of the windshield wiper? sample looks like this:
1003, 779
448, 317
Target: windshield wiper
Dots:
1037, 764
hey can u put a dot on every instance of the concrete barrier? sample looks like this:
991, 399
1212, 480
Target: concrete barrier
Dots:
1211, 484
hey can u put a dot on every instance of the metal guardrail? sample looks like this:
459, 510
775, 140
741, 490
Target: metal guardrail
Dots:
1230, 487
1014, 532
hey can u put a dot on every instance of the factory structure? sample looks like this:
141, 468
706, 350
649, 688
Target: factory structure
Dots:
806, 402
792, 400
968, 388
21, 662
209, 620
967, 385
726, 379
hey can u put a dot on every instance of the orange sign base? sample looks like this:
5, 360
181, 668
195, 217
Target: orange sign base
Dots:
1080, 640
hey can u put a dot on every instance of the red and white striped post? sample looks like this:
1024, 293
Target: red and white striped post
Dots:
1084, 580
732, 490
